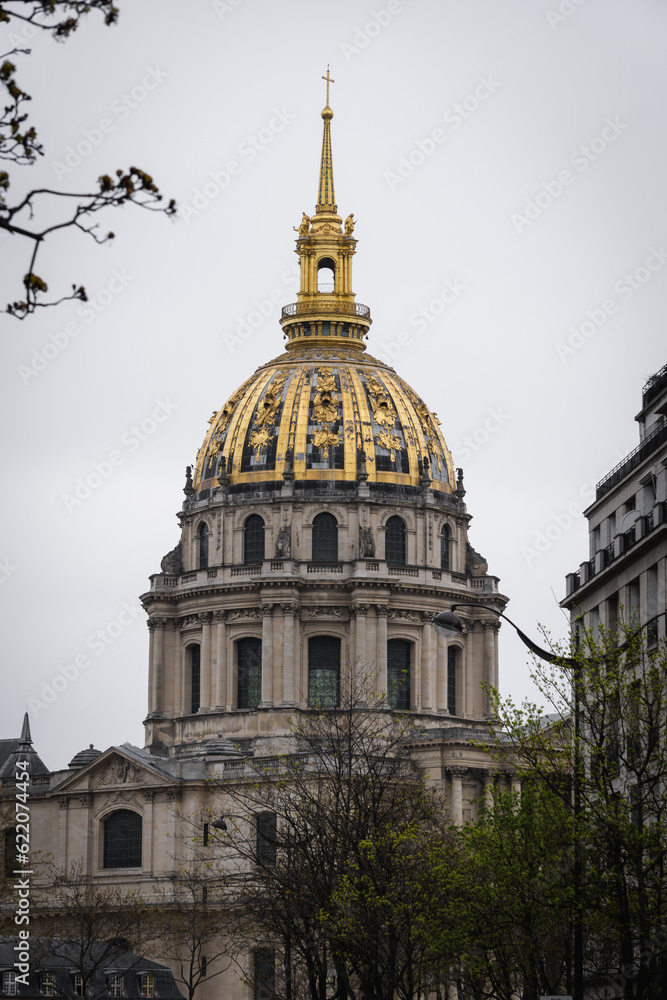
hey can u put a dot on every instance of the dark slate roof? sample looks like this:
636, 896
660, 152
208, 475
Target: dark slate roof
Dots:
126, 964
13, 751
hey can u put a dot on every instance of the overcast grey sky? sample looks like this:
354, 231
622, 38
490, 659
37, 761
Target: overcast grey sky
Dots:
505, 160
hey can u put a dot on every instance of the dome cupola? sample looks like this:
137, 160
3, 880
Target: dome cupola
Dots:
325, 410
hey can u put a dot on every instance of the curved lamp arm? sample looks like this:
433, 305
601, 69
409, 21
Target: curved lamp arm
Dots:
449, 624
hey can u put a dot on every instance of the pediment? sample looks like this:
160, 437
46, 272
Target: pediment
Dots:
116, 768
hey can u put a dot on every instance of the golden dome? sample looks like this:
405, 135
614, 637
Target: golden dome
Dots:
324, 411
322, 415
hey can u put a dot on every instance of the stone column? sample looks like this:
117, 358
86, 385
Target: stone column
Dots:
290, 668
147, 852
183, 673
490, 627
382, 612
63, 840
457, 774
205, 618
151, 668
427, 663
441, 683
267, 656
156, 626
361, 658
221, 661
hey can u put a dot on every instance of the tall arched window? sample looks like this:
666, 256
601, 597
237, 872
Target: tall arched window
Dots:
398, 674
194, 656
203, 545
444, 547
122, 840
325, 538
253, 540
453, 658
324, 671
394, 544
248, 672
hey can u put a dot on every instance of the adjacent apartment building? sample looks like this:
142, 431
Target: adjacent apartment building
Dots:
624, 578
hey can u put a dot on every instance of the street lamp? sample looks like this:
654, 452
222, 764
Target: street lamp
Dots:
449, 625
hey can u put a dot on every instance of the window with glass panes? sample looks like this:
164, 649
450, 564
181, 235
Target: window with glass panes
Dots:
203, 546
194, 652
398, 674
249, 672
147, 980
264, 974
444, 548
394, 544
266, 839
122, 840
323, 671
452, 662
325, 538
253, 540
9, 984
115, 984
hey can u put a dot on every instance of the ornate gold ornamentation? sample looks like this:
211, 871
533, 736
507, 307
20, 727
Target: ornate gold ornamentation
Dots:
391, 442
258, 440
349, 224
384, 413
325, 412
324, 440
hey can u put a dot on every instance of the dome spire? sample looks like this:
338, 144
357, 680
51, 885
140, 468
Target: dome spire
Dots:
326, 313
326, 198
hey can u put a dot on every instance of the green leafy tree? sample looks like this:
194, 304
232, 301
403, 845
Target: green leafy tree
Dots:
20, 147
518, 897
603, 752
396, 910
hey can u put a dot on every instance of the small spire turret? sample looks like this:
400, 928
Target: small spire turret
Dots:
25, 739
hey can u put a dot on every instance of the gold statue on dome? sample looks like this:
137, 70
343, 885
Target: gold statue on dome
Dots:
304, 225
349, 224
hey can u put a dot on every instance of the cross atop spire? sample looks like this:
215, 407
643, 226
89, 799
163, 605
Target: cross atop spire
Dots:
326, 199
329, 80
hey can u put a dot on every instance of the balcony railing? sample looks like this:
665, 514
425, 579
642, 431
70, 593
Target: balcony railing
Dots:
607, 555
643, 527
654, 385
350, 308
221, 576
631, 461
